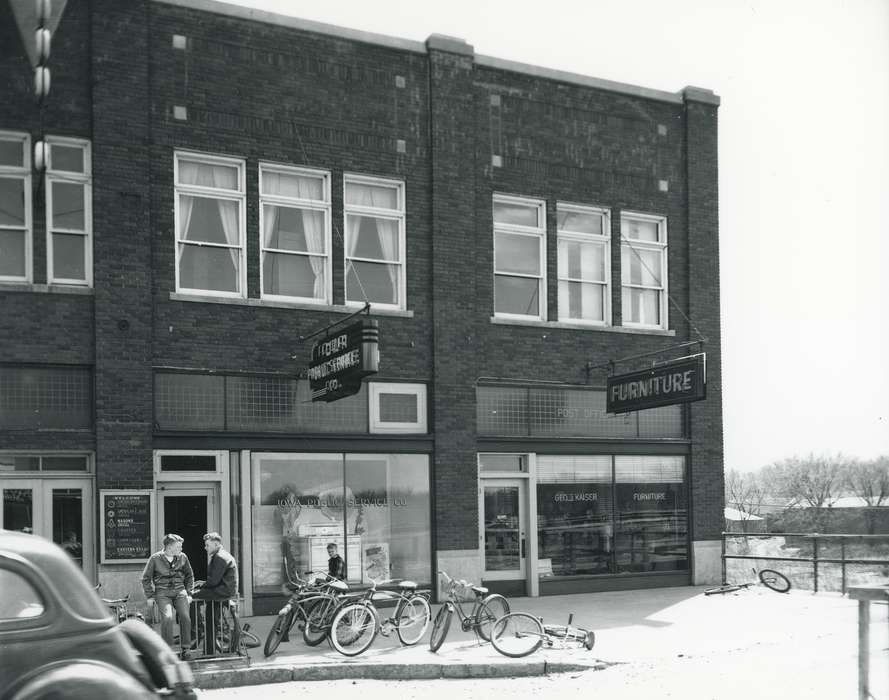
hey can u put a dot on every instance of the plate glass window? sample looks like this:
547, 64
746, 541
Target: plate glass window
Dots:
374, 215
295, 233
210, 223
15, 207
643, 255
69, 212
519, 257
584, 252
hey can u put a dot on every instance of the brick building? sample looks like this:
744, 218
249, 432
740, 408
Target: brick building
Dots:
221, 183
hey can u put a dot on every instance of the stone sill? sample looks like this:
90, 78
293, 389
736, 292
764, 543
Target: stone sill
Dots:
46, 288
266, 303
560, 325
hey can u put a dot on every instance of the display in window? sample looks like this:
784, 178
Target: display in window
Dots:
575, 534
652, 527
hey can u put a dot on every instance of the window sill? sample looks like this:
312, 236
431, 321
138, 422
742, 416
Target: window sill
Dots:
580, 327
45, 288
267, 303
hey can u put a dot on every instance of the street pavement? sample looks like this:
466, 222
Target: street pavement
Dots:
641, 628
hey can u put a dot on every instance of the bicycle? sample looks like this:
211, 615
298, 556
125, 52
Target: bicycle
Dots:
120, 608
486, 610
355, 625
312, 602
769, 578
518, 634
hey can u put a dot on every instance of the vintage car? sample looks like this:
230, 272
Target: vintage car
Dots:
57, 639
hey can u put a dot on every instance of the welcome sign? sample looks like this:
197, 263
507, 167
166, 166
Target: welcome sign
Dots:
678, 381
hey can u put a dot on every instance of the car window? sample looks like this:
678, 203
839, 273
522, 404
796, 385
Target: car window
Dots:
19, 598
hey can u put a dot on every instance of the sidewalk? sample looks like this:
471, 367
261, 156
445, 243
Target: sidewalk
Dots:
652, 625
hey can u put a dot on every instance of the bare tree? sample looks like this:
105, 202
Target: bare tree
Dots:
746, 492
869, 480
813, 481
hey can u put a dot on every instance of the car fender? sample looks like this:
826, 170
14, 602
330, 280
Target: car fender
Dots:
81, 680
165, 668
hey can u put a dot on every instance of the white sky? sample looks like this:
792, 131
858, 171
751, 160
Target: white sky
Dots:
803, 179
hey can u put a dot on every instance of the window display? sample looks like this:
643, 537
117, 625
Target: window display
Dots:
375, 508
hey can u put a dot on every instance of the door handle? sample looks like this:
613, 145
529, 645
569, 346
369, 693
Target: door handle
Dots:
523, 548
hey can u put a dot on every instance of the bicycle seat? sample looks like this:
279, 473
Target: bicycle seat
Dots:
479, 590
338, 586
408, 585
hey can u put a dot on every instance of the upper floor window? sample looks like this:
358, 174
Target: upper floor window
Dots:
374, 241
210, 225
69, 216
643, 262
519, 257
295, 233
584, 245
15, 207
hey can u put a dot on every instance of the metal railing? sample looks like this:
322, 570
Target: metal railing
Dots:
826, 550
216, 629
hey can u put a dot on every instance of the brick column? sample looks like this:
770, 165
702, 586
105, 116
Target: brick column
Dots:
452, 132
707, 461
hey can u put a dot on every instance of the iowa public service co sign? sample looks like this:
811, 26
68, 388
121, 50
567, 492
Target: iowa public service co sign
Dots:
678, 381
341, 361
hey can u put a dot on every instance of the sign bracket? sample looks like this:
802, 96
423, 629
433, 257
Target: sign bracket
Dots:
326, 329
611, 363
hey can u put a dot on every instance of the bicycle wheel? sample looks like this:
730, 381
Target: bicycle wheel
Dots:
228, 636
775, 580
440, 626
492, 609
317, 625
517, 634
353, 629
589, 641
277, 633
413, 617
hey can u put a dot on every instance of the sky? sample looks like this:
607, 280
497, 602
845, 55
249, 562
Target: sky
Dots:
803, 180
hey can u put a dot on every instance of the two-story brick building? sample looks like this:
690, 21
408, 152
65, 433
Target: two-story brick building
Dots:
220, 183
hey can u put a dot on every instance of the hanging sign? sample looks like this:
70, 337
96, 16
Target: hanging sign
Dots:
341, 361
678, 381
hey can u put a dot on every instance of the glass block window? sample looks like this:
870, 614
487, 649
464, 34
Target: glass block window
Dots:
16, 227
69, 204
568, 412
348, 415
189, 401
46, 397
261, 403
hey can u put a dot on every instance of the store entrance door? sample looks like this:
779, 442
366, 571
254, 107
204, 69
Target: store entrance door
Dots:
190, 510
60, 510
503, 529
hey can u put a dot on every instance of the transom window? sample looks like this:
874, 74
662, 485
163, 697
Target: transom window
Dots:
210, 225
643, 262
69, 244
15, 207
519, 257
374, 241
295, 233
584, 244
25, 462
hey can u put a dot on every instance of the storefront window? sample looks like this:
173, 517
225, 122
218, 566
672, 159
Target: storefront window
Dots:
375, 508
574, 507
651, 532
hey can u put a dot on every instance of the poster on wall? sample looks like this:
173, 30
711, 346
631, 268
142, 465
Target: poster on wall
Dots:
376, 562
126, 525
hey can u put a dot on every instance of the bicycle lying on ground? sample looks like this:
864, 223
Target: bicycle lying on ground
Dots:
486, 610
355, 625
518, 634
769, 578
312, 605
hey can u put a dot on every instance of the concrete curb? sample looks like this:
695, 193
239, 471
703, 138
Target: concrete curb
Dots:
211, 679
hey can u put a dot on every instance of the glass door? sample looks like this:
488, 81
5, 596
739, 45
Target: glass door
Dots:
503, 526
57, 509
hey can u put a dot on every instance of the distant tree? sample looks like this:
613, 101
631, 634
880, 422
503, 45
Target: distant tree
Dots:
869, 480
746, 492
813, 481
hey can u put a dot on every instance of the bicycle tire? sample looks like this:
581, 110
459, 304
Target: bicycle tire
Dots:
492, 609
250, 640
775, 580
412, 616
228, 636
589, 641
517, 634
317, 625
277, 632
440, 627
354, 628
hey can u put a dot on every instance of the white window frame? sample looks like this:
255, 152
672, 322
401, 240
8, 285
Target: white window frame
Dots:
85, 178
23, 172
295, 203
538, 232
221, 457
392, 214
603, 239
377, 425
239, 197
660, 246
